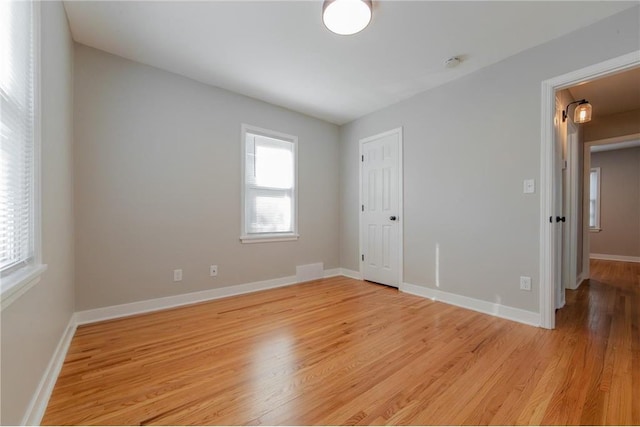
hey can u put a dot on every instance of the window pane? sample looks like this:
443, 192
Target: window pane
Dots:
270, 214
269, 187
274, 167
269, 162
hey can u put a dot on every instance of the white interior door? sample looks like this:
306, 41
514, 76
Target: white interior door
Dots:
572, 209
559, 183
381, 216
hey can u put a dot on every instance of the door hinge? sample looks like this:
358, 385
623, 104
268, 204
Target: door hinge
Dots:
363, 257
363, 157
551, 219
362, 208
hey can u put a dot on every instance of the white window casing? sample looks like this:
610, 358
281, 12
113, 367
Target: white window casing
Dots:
269, 185
20, 254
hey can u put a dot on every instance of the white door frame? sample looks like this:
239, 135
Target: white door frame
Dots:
363, 141
547, 209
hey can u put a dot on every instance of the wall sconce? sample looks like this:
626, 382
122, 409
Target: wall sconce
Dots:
582, 113
346, 17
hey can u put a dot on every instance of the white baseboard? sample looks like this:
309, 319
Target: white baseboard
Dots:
608, 257
157, 304
351, 273
332, 272
38, 404
494, 309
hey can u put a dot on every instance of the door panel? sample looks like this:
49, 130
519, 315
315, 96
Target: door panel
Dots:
371, 247
380, 222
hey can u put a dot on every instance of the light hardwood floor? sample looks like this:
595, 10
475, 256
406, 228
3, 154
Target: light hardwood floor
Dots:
342, 351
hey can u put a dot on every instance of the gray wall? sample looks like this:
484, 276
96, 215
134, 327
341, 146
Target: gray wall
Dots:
157, 165
33, 324
619, 204
620, 124
468, 145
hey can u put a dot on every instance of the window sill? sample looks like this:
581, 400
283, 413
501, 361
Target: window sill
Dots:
17, 284
266, 238
595, 230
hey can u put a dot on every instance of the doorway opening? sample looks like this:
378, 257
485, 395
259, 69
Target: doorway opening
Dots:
612, 203
561, 242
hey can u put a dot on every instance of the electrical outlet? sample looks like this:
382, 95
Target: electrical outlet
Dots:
213, 270
525, 283
177, 275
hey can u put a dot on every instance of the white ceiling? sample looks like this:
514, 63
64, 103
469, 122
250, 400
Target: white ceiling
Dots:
612, 94
281, 53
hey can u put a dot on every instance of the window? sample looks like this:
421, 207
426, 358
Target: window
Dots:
269, 185
19, 240
594, 199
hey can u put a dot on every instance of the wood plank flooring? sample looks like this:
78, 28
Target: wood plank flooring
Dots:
341, 351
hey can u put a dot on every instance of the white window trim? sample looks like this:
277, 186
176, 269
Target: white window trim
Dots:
267, 237
271, 237
16, 284
596, 228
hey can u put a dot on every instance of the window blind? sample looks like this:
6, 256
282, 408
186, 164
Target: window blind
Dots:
17, 133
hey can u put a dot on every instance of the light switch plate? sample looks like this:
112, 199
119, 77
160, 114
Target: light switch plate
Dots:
529, 186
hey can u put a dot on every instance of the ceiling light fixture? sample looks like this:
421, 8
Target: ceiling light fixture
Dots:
346, 17
582, 114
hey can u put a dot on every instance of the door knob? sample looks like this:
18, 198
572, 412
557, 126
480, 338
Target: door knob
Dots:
393, 218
